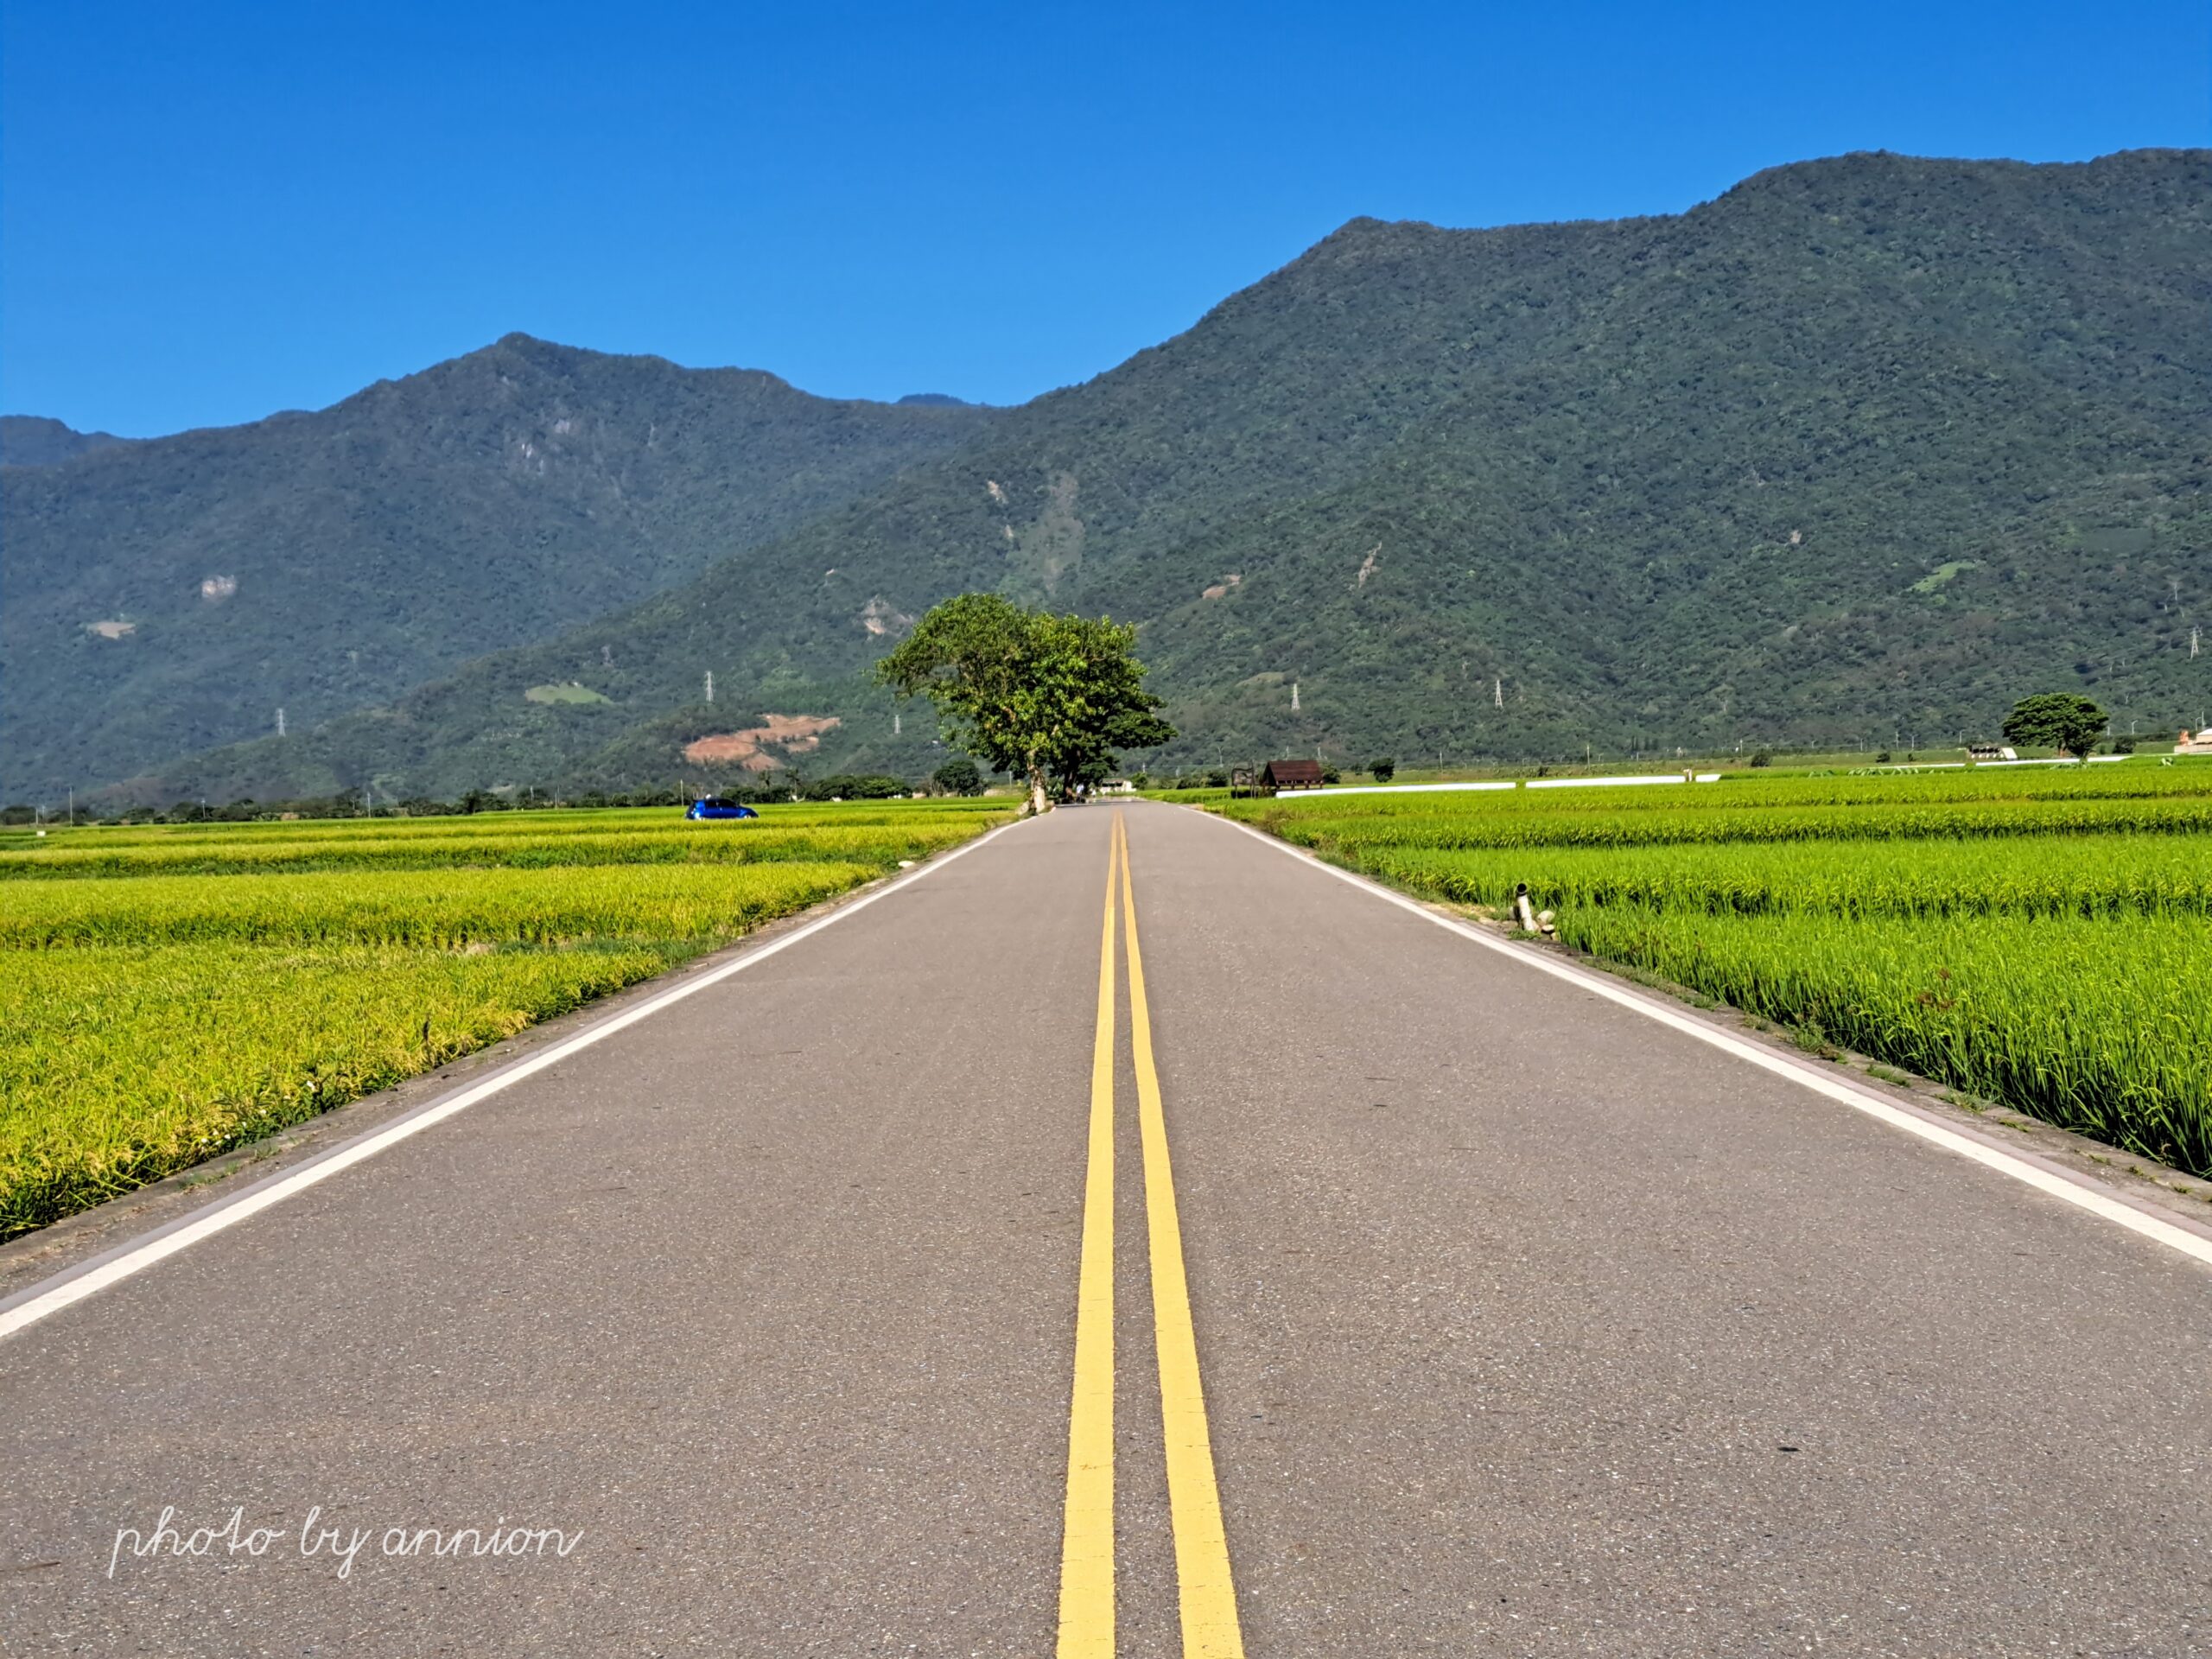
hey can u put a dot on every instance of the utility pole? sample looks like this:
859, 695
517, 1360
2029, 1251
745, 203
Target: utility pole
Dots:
711, 685
1293, 696
1498, 692
280, 722
898, 725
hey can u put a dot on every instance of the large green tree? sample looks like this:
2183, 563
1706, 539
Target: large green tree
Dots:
1051, 698
2064, 721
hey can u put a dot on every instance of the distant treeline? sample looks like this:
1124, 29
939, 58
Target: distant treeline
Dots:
767, 788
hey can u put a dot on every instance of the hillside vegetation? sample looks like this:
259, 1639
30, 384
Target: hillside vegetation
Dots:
1865, 445
166, 596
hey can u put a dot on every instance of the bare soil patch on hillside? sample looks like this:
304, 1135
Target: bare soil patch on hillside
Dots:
792, 733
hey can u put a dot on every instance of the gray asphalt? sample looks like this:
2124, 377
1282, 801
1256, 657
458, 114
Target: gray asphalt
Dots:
1528, 1326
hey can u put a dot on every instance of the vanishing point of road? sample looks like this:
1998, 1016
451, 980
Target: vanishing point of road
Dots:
1122, 1237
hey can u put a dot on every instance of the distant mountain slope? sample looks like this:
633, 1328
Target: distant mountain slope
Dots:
35, 440
1863, 445
165, 596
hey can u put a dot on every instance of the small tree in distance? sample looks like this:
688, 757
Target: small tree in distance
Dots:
958, 776
1383, 770
2064, 721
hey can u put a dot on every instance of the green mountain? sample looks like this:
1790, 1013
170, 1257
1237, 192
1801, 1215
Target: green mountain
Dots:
167, 596
1864, 444
35, 440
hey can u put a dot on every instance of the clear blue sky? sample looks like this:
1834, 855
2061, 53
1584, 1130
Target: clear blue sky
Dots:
214, 211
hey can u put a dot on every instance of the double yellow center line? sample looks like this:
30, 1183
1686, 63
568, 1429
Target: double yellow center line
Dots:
1206, 1592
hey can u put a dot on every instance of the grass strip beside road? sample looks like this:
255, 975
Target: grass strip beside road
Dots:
2115, 877
1340, 828
373, 845
438, 909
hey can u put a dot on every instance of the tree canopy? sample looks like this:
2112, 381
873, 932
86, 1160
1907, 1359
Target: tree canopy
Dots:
958, 776
1050, 697
2064, 721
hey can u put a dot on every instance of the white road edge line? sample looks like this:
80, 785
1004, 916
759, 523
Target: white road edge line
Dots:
39, 1301
2067, 1188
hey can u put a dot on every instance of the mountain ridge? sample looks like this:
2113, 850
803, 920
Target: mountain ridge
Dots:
42, 441
174, 593
1859, 443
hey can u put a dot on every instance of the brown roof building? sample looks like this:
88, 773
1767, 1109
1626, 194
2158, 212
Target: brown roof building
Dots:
1291, 774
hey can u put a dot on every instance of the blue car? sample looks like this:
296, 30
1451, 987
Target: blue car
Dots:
713, 806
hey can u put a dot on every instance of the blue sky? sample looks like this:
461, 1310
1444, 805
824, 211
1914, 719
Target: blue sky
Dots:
214, 211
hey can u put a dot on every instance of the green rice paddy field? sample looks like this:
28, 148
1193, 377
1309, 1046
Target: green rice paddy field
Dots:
168, 993
2038, 937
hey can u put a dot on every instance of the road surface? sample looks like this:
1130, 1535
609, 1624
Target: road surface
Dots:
1352, 1289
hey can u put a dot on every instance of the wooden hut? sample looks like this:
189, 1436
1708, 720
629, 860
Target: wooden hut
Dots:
1280, 775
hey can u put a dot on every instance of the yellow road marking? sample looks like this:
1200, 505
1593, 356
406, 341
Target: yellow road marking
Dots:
1087, 1538
1208, 1595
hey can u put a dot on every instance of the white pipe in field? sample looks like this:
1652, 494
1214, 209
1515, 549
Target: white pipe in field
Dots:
1401, 789
1532, 783
2056, 760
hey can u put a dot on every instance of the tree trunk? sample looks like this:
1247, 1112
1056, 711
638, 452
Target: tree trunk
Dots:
1037, 802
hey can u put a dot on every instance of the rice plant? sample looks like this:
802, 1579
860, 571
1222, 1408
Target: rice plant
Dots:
120, 1064
2113, 876
2044, 939
2070, 1020
170, 992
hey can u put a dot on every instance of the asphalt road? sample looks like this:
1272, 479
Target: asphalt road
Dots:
1516, 1323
